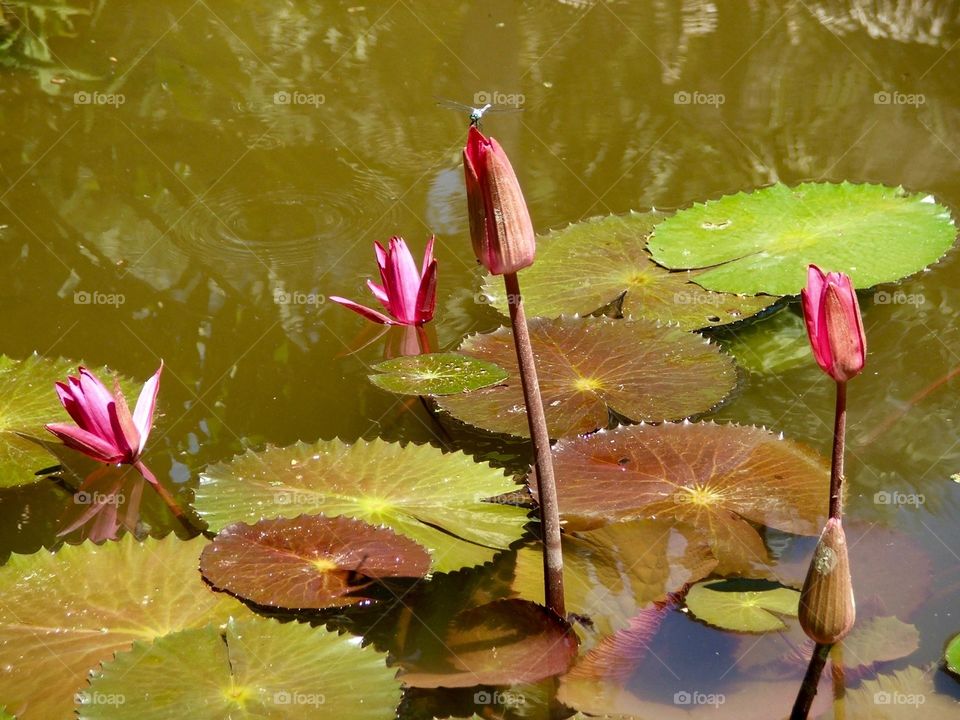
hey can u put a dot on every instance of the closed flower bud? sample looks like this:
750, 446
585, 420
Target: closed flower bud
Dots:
834, 325
500, 226
827, 608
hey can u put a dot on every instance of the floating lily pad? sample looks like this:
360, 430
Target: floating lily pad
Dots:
773, 346
436, 374
589, 265
612, 573
952, 655
762, 242
63, 613
308, 562
433, 498
254, 668
718, 478
590, 367
745, 611
28, 401
906, 694
501, 643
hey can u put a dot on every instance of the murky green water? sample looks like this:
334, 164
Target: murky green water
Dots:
226, 166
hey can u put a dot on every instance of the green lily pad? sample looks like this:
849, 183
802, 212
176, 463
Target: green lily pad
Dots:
436, 374
63, 613
717, 478
308, 562
590, 367
253, 668
436, 499
762, 242
745, 611
28, 401
501, 643
775, 345
952, 655
591, 264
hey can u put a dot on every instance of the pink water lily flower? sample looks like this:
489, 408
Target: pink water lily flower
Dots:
834, 324
409, 295
105, 430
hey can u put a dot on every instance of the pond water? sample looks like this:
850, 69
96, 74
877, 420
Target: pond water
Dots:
191, 180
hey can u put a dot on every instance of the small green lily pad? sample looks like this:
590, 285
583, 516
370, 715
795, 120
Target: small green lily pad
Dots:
434, 498
588, 265
591, 367
436, 374
952, 655
744, 611
762, 241
253, 668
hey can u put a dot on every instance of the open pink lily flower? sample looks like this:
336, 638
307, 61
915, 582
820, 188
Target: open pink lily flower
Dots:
409, 295
834, 325
105, 430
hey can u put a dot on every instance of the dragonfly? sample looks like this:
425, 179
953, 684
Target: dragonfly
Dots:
476, 113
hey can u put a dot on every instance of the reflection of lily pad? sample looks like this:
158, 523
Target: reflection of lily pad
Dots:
436, 374
777, 344
743, 610
590, 367
589, 265
63, 613
762, 242
952, 655
254, 668
907, 694
434, 498
613, 572
308, 562
28, 401
500, 643
717, 478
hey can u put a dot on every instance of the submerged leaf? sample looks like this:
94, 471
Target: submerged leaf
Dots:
906, 694
745, 611
433, 498
436, 374
253, 668
762, 241
308, 562
590, 367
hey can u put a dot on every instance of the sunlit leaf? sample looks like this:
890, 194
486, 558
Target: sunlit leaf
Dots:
762, 241
436, 499
253, 668
742, 610
501, 643
907, 694
436, 374
589, 265
717, 478
590, 367
63, 613
308, 562
952, 655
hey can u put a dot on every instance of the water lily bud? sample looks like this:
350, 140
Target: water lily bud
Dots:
827, 608
834, 325
500, 226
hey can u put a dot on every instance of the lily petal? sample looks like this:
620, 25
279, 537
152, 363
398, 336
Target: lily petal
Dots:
94, 399
146, 404
86, 442
363, 310
427, 297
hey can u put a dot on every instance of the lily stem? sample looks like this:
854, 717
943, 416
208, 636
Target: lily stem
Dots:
164, 494
546, 485
808, 690
839, 441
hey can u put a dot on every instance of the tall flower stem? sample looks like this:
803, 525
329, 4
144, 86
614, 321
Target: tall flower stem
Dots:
839, 443
546, 485
808, 690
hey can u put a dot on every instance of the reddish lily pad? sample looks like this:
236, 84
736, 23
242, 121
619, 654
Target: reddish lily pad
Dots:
436, 499
589, 265
501, 643
308, 562
592, 367
63, 613
436, 374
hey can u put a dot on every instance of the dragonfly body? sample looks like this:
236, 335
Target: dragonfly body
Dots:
475, 113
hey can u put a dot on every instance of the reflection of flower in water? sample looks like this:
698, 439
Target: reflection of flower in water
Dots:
108, 498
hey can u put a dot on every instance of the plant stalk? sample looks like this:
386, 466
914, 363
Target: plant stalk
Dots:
839, 442
808, 690
164, 494
546, 485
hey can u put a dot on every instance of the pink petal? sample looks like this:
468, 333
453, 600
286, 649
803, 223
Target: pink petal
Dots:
94, 398
379, 293
427, 296
86, 442
146, 404
125, 433
403, 281
428, 256
362, 310
70, 404
381, 255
